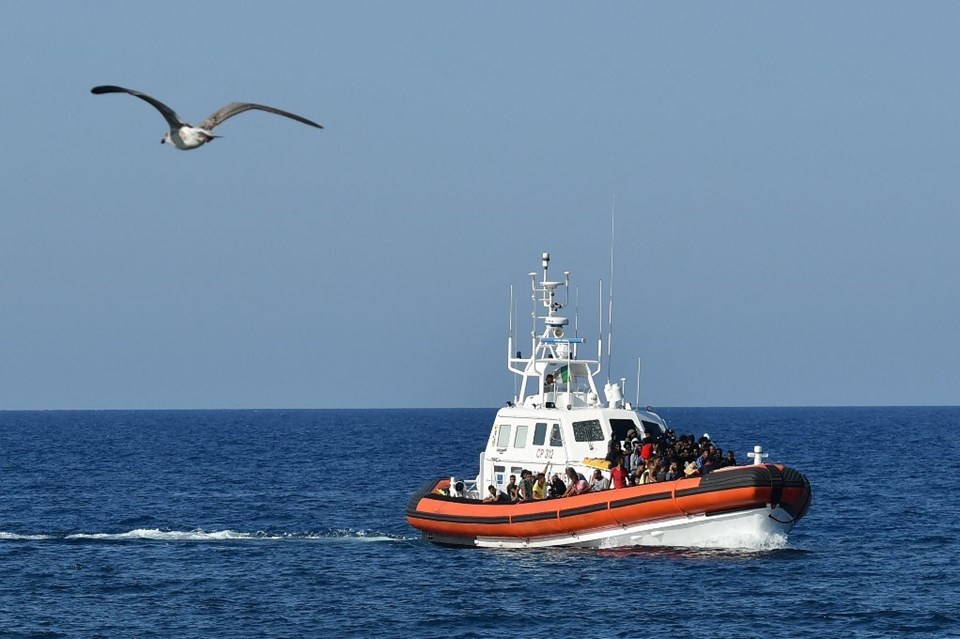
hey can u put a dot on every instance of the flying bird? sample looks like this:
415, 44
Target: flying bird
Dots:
186, 136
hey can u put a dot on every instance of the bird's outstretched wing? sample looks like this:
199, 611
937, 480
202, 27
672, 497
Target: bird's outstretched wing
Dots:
239, 107
174, 120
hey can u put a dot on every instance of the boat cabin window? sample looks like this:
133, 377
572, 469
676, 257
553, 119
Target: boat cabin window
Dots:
588, 431
520, 441
652, 429
622, 426
539, 433
555, 438
503, 439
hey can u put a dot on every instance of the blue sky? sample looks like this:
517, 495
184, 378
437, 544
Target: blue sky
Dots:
785, 179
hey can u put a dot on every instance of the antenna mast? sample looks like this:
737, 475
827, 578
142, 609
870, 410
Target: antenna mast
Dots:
638, 380
600, 331
613, 215
510, 326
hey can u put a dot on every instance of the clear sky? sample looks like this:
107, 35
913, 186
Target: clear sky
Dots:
785, 177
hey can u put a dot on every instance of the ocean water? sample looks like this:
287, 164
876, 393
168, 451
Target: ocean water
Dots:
290, 524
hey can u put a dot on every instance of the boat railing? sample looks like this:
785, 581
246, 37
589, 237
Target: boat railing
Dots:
563, 395
566, 387
470, 488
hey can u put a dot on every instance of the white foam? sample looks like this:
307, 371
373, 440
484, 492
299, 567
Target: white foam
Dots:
363, 536
745, 542
154, 534
200, 535
15, 537
348, 535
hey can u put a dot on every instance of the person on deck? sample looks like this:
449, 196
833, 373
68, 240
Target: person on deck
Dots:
703, 458
557, 487
525, 488
613, 449
708, 465
512, 488
576, 485
649, 475
673, 471
618, 474
647, 449
634, 464
540, 487
599, 482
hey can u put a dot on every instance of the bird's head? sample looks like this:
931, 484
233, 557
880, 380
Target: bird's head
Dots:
166, 139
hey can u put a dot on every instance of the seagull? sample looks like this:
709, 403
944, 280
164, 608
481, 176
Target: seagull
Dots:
186, 136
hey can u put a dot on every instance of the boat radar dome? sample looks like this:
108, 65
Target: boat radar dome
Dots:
612, 391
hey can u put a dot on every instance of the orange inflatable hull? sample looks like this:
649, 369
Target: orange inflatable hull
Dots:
455, 521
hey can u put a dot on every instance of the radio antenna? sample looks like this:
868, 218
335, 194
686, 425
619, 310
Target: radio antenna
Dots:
613, 217
638, 381
600, 330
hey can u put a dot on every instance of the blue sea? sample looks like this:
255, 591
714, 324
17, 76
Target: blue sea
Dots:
280, 523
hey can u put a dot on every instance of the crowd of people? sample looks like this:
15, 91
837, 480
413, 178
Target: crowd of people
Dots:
631, 462
664, 459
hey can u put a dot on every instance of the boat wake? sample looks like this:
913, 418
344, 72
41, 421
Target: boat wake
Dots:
8, 536
729, 543
743, 543
732, 546
340, 535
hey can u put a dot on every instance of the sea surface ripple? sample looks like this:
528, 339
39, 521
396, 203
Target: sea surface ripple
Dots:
290, 524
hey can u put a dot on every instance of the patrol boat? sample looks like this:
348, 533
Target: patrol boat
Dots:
557, 421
